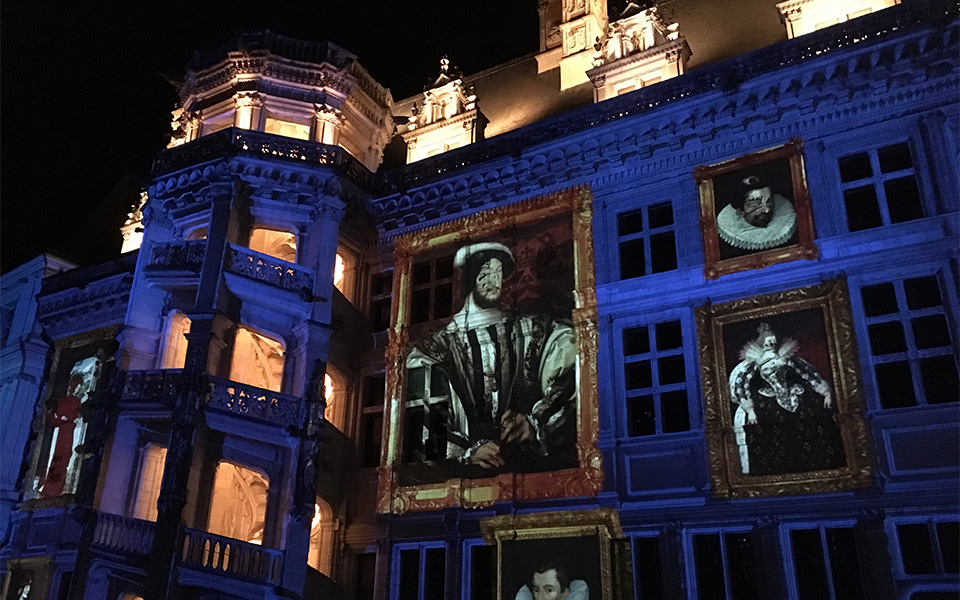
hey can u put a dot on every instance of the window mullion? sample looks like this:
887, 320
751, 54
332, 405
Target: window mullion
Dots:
828, 566
877, 181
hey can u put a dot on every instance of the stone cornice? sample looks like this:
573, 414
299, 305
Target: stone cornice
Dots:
848, 92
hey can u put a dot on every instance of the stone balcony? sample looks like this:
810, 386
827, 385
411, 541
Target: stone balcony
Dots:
269, 270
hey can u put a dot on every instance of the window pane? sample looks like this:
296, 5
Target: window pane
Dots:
674, 411
948, 534
740, 566
416, 383
632, 259
663, 252
895, 385
709, 567
421, 273
922, 292
916, 550
434, 576
380, 315
903, 199
895, 158
647, 568
670, 369
669, 335
844, 564
483, 572
636, 340
366, 575
879, 300
420, 306
638, 374
660, 215
808, 563
381, 284
409, 574
887, 338
854, 167
630, 222
939, 376
930, 331
863, 211
444, 268
443, 301
374, 391
640, 416
372, 425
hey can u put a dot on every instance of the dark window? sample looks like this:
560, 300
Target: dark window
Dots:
655, 378
421, 574
483, 569
371, 420
910, 343
880, 187
647, 568
432, 295
725, 566
826, 565
381, 287
366, 575
651, 249
929, 548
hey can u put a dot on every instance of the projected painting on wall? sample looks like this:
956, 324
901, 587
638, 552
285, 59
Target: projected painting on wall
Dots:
489, 377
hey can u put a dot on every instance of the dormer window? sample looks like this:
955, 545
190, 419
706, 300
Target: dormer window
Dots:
806, 16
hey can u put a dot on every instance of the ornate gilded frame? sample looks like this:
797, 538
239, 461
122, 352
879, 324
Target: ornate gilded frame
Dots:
804, 248
830, 298
584, 480
603, 523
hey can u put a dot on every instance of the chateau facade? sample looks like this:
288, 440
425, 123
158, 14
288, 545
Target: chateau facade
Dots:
656, 328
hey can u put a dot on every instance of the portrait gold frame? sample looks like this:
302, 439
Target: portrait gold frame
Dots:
585, 479
804, 248
831, 299
602, 522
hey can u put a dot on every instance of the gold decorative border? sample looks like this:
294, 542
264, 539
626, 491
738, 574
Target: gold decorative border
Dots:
584, 480
704, 175
602, 522
831, 299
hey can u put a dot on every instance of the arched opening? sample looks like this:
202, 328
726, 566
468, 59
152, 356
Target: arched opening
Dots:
257, 360
344, 273
320, 556
175, 347
335, 395
238, 505
279, 244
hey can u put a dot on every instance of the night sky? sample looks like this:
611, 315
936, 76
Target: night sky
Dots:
86, 98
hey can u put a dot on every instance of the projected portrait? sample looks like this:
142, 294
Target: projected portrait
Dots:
782, 411
755, 210
490, 353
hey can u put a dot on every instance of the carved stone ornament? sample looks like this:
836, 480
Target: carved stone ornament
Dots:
809, 347
586, 478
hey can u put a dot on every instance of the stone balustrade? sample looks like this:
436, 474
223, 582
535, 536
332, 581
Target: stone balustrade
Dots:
123, 535
182, 255
151, 386
254, 403
231, 557
268, 269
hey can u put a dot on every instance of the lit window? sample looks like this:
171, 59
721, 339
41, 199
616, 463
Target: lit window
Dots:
175, 351
826, 564
287, 128
279, 244
151, 474
910, 342
238, 505
647, 240
655, 379
880, 187
257, 360
725, 566
651, 80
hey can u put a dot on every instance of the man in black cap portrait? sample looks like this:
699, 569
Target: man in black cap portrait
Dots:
512, 377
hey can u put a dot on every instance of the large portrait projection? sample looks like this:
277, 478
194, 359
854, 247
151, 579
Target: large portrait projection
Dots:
784, 412
76, 374
755, 210
492, 382
575, 555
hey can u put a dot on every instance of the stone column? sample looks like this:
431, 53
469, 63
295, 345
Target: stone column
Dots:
327, 122
248, 107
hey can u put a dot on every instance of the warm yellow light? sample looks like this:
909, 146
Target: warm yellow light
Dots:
338, 269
